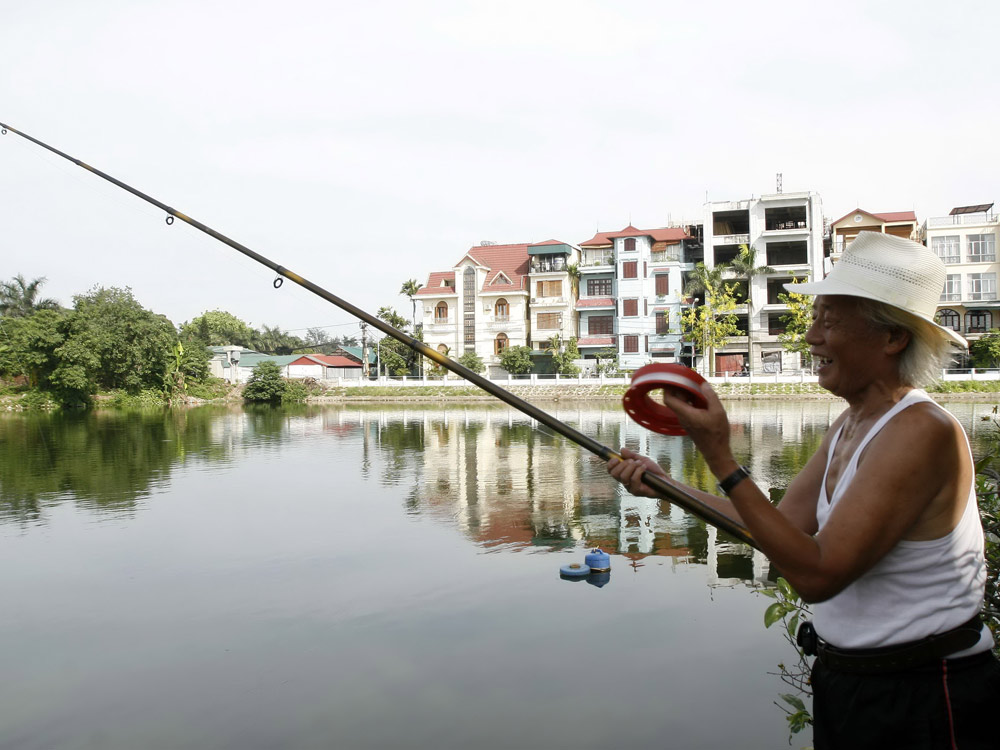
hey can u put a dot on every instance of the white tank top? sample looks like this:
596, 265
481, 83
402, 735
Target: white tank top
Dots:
920, 587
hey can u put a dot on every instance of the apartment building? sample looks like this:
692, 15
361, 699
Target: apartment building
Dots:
966, 240
631, 285
553, 294
786, 231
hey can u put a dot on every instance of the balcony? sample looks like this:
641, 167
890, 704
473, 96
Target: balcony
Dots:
731, 239
554, 265
962, 219
666, 256
440, 325
592, 259
787, 226
549, 300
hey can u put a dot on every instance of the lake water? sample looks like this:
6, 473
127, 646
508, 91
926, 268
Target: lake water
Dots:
379, 577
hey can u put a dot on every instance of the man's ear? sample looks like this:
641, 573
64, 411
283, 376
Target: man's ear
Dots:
898, 340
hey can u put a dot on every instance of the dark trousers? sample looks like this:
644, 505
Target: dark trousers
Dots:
949, 704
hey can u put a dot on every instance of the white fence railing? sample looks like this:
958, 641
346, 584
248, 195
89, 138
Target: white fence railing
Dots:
788, 377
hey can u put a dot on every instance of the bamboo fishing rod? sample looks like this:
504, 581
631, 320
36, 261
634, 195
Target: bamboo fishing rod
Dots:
658, 483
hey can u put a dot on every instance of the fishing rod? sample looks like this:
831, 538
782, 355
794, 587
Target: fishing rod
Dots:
658, 483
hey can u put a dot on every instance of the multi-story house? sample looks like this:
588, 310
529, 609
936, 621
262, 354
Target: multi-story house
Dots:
494, 294
843, 230
786, 231
553, 293
631, 293
966, 240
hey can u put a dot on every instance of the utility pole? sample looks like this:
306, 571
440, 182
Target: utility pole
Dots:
364, 351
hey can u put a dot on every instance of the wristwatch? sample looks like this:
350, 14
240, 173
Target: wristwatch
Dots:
727, 484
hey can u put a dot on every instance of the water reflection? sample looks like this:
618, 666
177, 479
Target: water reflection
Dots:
501, 479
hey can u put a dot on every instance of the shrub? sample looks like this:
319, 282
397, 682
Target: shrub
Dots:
265, 384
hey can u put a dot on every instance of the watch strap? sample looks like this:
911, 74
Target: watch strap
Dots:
727, 484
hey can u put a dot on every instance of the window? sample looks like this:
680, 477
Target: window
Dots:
600, 325
948, 249
982, 248
630, 269
776, 287
550, 288
598, 287
630, 308
662, 284
441, 312
978, 321
469, 309
952, 288
631, 344
787, 254
501, 310
982, 286
548, 321
662, 322
500, 343
630, 243
776, 324
948, 319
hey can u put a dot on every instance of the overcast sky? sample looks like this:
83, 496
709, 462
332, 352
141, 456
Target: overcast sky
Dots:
361, 144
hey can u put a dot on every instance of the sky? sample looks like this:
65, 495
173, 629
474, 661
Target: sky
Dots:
364, 144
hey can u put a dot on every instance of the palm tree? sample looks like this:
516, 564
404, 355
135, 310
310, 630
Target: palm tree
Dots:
708, 282
745, 266
19, 297
410, 289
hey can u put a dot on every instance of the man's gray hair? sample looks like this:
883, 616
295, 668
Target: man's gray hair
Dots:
929, 350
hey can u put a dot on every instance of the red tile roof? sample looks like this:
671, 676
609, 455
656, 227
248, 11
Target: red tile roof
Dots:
596, 341
330, 360
548, 242
596, 302
898, 216
434, 283
892, 216
663, 234
512, 260
335, 360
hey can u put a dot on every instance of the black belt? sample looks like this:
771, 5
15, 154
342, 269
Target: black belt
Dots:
889, 658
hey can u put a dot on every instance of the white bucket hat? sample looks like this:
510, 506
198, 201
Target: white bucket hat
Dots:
888, 269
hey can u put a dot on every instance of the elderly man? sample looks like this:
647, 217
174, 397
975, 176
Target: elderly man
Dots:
881, 528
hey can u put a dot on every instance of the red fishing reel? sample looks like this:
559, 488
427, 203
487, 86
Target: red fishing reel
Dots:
656, 416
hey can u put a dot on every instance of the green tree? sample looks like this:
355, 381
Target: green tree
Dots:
564, 354
275, 341
265, 384
573, 269
19, 297
711, 325
410, 289
218, 328
986, 351
28, 345
797, 321
393, 318
516, 360
744, 265
131, 344
607, 361
473, 361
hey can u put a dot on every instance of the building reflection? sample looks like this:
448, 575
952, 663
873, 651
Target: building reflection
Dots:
508, 483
